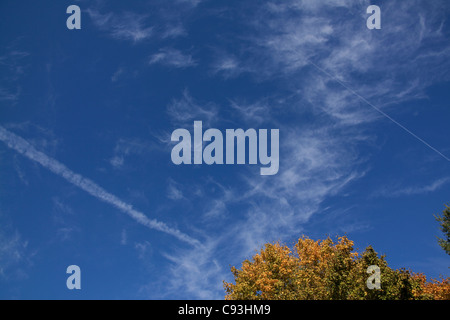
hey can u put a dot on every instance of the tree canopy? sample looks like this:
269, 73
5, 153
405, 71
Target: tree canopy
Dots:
326, 270
444, 222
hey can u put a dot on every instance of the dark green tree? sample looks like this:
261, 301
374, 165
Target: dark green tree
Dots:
444, 222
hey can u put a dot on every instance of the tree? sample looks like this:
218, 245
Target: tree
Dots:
444, 222
435, 289
325, 270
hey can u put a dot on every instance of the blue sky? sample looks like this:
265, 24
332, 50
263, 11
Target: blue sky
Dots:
86, 117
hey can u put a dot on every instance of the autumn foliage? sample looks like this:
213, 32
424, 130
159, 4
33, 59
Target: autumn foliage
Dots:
325, 270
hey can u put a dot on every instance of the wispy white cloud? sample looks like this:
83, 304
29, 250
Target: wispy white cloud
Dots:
126, 147
190, 3
398, 190
116, 161
173, 30
321, 159
63, 216
12, 62
228, 66
316, 161
308, 5
12, 68
124, 237
288, 38
13, 253
172, 58
174, 191
153, 21
315, 165
117, 74
185, 110
61, 207
196, 273
254, 113
128, 26
8, 95
144, 250
23, 147
20, 172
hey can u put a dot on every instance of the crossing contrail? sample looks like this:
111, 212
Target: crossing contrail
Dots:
384, 114
25, 148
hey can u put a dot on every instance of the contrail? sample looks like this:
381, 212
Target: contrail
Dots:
25, 148
379, 110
